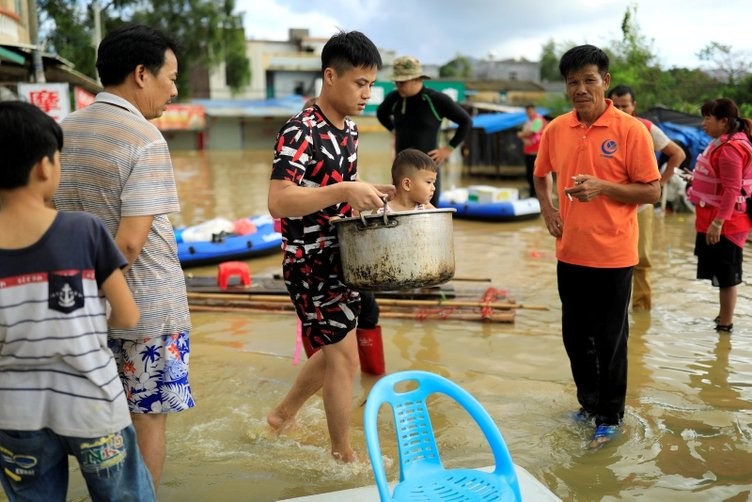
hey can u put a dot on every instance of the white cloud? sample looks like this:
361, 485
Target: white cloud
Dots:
436, 31
273, 20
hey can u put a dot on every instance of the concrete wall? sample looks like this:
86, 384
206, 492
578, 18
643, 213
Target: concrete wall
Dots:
223, 133
184, 140
259, 133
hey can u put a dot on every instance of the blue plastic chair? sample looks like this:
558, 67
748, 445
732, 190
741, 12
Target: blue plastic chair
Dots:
422, 475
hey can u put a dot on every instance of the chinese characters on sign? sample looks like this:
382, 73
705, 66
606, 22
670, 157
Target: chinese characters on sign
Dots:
53, 99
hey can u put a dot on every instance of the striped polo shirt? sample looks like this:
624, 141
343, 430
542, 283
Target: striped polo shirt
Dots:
56, 370
115, 164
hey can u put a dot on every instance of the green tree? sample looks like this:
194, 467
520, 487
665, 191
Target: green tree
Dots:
633, 63
237, 65
204, 28
691, 88
729, 65
743, 96
458, 67
68, 35
556, 104
549, 63
209, 31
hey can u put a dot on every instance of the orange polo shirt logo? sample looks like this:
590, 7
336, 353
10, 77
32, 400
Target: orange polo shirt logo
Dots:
608, 148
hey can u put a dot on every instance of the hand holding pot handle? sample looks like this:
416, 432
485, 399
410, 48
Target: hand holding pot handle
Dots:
388, 190
363, 196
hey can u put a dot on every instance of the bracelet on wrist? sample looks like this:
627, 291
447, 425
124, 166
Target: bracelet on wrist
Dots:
717, 224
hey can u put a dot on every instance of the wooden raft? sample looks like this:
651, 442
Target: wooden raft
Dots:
268, 294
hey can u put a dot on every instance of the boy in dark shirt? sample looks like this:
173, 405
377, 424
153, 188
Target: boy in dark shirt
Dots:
59, 385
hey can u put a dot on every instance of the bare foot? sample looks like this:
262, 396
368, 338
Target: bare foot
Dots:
279, 421
603, 434
598, 442
345, 458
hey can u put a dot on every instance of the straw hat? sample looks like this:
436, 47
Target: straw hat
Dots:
407, 68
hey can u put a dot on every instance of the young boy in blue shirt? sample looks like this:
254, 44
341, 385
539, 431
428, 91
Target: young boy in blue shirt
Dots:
59, 386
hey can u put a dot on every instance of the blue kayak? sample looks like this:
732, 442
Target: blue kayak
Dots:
214, 241
506, 210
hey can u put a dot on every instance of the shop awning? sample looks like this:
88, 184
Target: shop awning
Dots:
11, 56
18, 56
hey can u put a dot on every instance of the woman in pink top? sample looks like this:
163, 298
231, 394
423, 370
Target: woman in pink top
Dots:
722, 177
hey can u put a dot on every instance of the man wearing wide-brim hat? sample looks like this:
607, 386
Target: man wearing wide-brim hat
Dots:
414, 113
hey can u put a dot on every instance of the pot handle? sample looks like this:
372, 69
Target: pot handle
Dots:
386, 206
386, 217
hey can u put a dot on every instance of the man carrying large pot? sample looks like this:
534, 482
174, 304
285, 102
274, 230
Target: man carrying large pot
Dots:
314, 178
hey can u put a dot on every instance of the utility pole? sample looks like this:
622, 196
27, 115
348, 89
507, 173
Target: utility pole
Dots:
36, 52
97, 35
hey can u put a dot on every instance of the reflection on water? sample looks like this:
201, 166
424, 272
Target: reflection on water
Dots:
688, 433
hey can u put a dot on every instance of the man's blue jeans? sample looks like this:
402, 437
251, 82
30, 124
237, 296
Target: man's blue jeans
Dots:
35, 466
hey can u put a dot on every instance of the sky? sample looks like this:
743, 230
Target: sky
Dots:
436, 31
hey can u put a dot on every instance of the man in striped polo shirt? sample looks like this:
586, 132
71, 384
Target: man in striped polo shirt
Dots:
116, 164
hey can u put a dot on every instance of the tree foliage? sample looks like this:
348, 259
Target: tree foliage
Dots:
633, 62
458, 67
209, 31
730, 66
69, 38
549, 63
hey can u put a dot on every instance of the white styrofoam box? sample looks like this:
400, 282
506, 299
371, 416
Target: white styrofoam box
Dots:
485, 194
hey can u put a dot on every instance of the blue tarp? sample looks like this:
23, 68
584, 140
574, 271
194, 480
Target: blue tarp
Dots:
682, 128
496, 122
274, 107
693, 139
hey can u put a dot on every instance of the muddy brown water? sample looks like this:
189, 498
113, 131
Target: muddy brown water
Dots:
688, 428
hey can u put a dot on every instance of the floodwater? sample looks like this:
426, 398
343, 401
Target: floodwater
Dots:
688, 427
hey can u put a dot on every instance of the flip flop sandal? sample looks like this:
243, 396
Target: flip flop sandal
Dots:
726, 328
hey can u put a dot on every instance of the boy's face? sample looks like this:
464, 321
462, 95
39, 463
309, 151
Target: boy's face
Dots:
421, 186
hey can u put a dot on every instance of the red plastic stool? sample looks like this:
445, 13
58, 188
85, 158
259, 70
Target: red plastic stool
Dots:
227, 269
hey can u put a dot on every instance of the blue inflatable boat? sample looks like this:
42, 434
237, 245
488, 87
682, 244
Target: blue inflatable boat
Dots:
474, 208
221, 240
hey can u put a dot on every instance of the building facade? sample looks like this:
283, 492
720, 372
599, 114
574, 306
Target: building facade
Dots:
17, 51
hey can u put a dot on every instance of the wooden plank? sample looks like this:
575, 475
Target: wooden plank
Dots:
220, 298
274, 285
418, 315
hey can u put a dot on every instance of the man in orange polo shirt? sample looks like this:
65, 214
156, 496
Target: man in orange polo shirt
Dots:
605, 167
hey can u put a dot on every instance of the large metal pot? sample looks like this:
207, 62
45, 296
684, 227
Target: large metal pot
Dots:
404, 250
